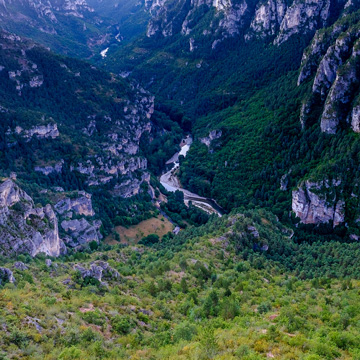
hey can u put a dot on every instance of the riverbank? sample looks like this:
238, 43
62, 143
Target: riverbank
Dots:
171, 182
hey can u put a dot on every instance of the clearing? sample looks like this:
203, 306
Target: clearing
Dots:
159, 226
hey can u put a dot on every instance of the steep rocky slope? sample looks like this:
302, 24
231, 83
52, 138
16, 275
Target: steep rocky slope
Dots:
333, 57
331, 66
67, 26
277, 20
66, 126
102, 113
24, 227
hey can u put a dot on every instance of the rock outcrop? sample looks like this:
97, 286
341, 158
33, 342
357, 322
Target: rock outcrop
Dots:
20, 266
333, 59
80, 232
41, 131
98, 270
304, 17
318, 203
6, 275
213, 135
80, 205
49, 169
25, 228
276, 20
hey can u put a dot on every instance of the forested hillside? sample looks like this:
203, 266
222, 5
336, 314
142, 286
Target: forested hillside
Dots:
254, 91
256, 103
221, 291
67, 126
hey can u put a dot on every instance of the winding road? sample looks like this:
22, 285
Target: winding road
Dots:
171, 183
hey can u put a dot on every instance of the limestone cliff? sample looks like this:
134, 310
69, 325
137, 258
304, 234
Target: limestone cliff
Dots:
77, 221
25, 228
332, 61
276, 20
317, 202
112, 131
70, 25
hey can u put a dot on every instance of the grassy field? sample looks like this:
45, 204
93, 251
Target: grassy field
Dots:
159, 226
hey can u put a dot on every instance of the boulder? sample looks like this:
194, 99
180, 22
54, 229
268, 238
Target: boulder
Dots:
6, 275
20, 266
98, 270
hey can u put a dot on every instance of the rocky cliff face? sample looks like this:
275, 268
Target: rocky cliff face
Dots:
25, 228
276, 20
113, 132
76, 217
317, 202
80, 205
70, 26
47, 8
332, 63
213, 135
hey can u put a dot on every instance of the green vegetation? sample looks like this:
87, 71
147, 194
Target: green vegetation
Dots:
248, 91
176, 209
207, 293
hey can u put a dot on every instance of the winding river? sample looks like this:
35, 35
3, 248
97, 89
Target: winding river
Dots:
171, 183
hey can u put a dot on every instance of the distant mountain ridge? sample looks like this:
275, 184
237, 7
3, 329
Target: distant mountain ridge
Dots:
274, 19
67, 26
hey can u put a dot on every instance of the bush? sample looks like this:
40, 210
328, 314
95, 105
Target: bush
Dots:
94, 317
71, 353
149, 240
121, 324
184, 331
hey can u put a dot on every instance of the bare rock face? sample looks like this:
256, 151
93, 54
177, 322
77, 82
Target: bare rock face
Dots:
213, 135
81, 232
98, 270
303, 16
340, 96
354, 119
317, 203
24, 228
284, 181
19, 265
277, 20
268, 18
80, 205
41, 131
131, 186
333, 57
46, 170
6, 275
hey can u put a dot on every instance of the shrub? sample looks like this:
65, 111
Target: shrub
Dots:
184, 331
121, 324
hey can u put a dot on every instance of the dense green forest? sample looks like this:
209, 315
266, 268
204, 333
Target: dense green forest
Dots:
249, 91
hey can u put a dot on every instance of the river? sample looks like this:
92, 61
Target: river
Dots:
171, 183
